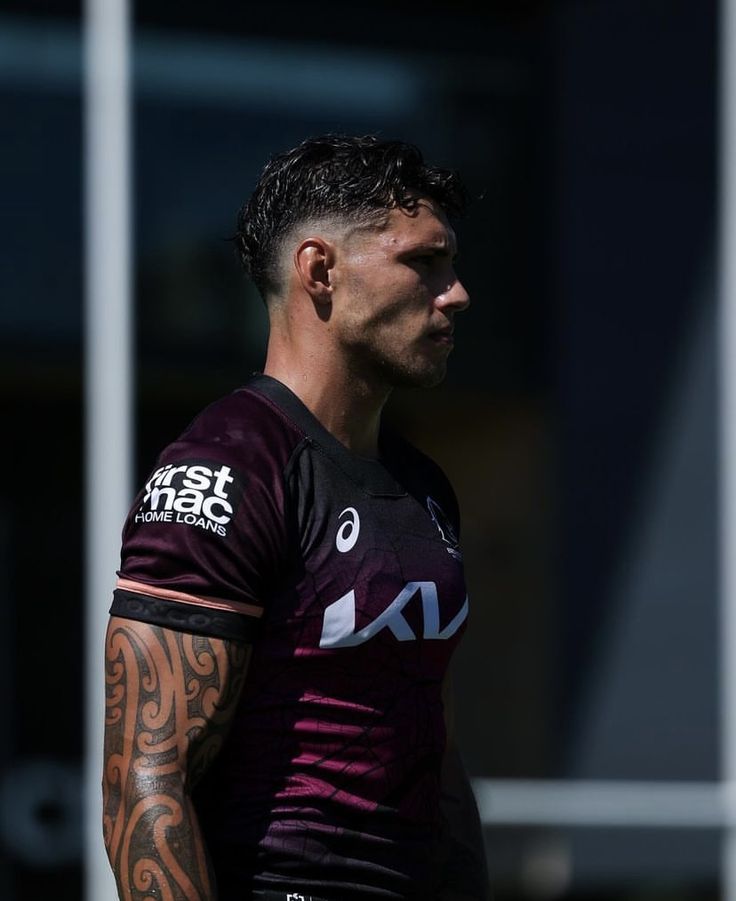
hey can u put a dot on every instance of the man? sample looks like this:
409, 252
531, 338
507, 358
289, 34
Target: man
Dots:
291, 587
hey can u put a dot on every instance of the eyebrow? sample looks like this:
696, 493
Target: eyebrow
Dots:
439, 248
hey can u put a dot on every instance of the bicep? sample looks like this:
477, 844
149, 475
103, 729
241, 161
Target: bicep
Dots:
170, 697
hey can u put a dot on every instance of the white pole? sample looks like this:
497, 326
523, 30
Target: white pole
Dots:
727, 352
107, 373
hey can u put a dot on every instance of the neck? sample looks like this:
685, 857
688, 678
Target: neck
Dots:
343, 402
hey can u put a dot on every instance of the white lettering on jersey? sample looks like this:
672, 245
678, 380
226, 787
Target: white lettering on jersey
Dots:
348, 532
338, 625
193, 494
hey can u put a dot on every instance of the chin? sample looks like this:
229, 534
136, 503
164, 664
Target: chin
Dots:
421, 377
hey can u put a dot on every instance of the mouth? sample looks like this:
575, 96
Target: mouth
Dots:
442, 336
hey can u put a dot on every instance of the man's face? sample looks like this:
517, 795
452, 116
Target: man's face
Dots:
396, 295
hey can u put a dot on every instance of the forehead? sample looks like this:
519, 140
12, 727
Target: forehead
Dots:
425, 225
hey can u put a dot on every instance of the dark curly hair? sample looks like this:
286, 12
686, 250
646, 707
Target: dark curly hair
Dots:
357, 179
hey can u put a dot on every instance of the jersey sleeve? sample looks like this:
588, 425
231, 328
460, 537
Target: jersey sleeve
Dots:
204, 544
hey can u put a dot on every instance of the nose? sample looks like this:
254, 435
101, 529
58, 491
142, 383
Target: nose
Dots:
454, 298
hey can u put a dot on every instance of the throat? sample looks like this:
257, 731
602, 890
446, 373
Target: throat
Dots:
346, 403
357, 429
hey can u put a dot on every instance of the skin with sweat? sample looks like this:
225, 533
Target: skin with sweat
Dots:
366, 311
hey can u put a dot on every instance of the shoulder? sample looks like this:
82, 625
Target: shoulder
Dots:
244, 430
220, 485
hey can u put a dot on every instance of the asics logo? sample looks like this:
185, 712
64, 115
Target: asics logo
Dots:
338, 625
348, 532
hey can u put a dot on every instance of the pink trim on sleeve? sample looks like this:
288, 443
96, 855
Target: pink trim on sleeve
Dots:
169, 594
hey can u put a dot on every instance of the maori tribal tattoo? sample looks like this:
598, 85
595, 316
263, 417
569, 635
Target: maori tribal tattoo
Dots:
170, 699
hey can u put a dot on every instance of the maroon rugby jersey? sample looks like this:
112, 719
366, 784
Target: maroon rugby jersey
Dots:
345, 574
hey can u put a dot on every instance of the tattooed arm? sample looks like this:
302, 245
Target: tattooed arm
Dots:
170, 699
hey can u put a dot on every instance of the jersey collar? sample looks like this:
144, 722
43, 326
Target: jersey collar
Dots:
370, 475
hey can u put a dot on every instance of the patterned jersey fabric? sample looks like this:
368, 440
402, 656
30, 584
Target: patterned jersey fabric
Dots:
346, 576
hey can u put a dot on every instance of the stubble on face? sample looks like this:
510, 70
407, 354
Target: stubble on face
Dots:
390, 312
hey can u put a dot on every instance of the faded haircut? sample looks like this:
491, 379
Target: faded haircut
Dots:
352, 179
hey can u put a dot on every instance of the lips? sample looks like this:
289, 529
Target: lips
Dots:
442, 336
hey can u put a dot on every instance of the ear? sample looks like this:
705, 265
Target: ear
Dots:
314, 260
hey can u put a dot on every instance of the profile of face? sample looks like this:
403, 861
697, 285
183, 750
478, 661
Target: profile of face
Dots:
395, 297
